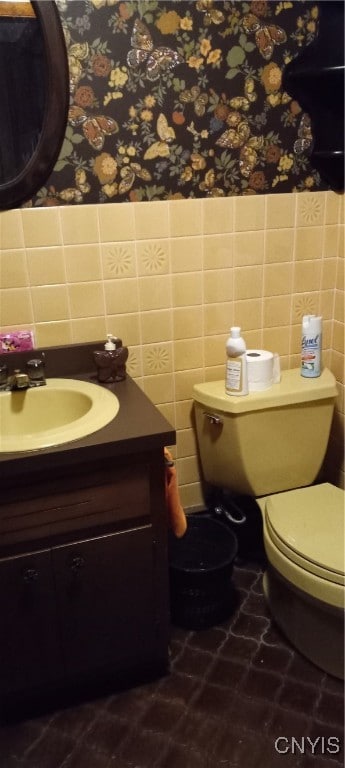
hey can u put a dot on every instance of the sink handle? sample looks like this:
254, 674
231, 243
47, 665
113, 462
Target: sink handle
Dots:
35, 369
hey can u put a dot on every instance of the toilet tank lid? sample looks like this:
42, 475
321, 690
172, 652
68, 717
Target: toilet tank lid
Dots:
292, 389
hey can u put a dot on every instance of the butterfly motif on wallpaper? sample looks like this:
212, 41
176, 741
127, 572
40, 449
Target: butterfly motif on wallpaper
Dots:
266, 35
211, 15
238, 133
197, 98
76, 194
128, 175
166, 135
244, 102
304, 142
238, 137
95, 128
101, 3
249, 155
77, 58
157, 61
208, 184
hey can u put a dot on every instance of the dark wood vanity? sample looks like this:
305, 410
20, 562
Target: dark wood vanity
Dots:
83, 552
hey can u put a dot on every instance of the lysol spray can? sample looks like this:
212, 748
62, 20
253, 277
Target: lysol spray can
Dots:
311, 346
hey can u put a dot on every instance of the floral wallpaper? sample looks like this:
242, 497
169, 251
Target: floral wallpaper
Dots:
181, 99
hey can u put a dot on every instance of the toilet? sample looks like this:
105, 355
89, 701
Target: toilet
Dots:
271, 445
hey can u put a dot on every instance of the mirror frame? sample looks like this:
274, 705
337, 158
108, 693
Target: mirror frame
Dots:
23, 186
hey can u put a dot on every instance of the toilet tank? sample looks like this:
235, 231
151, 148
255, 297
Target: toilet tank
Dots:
265, 442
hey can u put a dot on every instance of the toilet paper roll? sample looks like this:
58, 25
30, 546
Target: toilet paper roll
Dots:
263, 369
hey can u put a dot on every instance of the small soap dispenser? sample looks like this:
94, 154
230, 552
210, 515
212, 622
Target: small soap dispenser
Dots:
110, 344
111, 363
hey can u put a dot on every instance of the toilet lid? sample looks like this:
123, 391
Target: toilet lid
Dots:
307, 526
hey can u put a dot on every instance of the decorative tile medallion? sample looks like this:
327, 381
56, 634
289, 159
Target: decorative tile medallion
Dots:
305, 305
119, 261
154, 259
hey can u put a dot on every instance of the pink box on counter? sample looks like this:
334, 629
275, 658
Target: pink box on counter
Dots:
16, 341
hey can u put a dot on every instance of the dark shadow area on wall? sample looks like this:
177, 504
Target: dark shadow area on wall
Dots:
316, 79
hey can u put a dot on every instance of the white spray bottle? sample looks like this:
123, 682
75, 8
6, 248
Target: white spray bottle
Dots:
236, 375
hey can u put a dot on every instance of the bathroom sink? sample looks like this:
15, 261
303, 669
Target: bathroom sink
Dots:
61, 411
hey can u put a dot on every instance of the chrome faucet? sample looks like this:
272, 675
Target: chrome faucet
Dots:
34, 377
18, 380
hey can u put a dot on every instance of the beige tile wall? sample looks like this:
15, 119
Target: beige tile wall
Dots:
170, 278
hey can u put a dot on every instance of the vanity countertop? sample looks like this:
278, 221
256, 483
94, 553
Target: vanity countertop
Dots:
138, 426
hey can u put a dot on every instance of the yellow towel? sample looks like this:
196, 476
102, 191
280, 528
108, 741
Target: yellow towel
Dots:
176, 514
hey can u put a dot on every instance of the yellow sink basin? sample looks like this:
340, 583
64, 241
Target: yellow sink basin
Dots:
61, 411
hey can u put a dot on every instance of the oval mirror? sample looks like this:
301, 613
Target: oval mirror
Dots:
34, 95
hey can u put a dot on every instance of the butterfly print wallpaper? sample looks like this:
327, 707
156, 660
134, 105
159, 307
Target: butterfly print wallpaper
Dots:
182, 99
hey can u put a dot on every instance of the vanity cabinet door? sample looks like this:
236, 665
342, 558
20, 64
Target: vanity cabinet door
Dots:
106, 602
30, 653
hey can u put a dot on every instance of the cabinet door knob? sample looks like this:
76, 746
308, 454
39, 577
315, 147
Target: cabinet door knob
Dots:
30, 575
76, 563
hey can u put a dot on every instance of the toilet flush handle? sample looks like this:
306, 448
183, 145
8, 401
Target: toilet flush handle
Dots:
213, 418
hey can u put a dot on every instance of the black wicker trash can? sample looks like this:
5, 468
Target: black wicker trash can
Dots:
200, 566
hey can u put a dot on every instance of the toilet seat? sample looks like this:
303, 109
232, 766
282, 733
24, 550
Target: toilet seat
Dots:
304, 540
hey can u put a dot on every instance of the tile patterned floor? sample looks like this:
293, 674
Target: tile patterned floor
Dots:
232, 691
